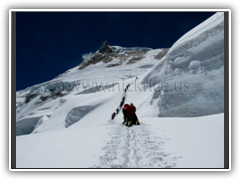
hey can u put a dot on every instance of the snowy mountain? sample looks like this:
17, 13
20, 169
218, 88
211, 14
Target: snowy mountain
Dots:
66, 122
92, 85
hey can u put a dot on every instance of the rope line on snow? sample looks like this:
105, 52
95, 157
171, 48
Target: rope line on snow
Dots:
129, 118
121, 103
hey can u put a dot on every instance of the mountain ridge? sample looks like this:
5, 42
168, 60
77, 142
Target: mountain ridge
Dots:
107, 53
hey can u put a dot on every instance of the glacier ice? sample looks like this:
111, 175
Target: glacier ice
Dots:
77, 114
26, 126
193, 69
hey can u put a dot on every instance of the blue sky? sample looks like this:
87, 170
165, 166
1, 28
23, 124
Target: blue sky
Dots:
49, 43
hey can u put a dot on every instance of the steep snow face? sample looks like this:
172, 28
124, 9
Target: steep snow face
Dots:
189, 80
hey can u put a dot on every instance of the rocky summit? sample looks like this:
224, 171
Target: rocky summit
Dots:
108, 53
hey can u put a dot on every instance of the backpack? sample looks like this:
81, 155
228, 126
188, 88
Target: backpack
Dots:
125, 111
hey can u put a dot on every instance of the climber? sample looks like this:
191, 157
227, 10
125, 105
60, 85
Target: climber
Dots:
121, 104
125, 113
117, 110
132, 118
113, 115
131, 111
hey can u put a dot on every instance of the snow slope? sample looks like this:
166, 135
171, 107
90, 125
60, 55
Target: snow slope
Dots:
72, 128
156, 143
94, 86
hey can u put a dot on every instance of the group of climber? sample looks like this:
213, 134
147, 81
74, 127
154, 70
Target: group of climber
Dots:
117, 110
122, 102
126, 88
129, 115
129, 112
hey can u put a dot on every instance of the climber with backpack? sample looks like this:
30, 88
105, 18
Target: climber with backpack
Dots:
113, 115
125, 113
132, 118
121, 104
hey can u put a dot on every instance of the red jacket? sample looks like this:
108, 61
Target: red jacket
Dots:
126, 105
131, 109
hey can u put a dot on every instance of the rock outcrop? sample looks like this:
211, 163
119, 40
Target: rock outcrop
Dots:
107, 53
104, 54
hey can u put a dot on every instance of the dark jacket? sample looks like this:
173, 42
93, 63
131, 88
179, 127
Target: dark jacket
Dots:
131, 109
125, 109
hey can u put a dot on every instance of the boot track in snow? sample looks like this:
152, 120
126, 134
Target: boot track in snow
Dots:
134, 148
